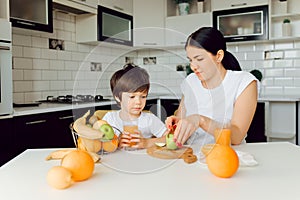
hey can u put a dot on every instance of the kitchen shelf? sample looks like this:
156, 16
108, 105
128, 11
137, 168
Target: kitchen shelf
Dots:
285, 38
286, 15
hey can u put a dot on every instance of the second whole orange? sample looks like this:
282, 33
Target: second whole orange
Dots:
80, 163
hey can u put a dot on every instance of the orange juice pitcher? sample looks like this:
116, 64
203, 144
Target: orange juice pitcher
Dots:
222, 136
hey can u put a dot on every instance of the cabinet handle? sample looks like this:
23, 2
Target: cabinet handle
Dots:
150, 43
182, 42
119, 8
66, 117
36, 122
4, 48
239, 4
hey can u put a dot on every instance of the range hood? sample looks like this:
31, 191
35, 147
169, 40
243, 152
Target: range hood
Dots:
76, 7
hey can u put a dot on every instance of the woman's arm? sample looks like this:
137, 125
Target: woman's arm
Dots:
243, 112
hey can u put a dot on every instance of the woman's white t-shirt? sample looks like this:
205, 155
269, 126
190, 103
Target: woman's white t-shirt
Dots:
217, 103
148, 123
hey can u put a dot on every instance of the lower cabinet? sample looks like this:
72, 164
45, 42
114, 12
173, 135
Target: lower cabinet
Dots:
168, 107
256, 132
46, 130
7, 146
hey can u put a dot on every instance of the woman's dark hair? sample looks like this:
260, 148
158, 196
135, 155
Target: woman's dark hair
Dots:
129, 79
212, 40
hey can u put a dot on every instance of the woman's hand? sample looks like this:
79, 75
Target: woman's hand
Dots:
185, 128
170, 121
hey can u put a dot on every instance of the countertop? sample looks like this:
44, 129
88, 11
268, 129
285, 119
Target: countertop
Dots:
52, 107
135, 175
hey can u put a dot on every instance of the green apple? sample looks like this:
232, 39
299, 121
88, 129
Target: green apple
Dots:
170, 142
108, 131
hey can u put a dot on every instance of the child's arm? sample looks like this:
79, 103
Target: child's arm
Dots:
144, 143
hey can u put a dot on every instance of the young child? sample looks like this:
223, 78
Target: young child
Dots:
130, 87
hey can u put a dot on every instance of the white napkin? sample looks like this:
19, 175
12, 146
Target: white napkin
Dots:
246, 159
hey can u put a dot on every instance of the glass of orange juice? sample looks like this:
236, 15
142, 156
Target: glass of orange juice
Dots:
131, 127
222, 135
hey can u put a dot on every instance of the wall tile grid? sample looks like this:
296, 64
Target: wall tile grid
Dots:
39, 72
280, 76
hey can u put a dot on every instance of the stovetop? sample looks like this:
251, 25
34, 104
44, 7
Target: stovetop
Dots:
70, 99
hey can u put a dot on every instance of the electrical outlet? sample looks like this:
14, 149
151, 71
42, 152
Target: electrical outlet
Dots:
96, 66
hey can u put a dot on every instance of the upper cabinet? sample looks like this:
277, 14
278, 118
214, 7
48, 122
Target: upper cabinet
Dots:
35, 15
124, 6
284, 11
178, 28
148, 22
76, 6
4, 9
230, 4
108, 26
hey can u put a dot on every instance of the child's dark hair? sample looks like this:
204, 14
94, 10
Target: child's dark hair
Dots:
212, 40
129, 79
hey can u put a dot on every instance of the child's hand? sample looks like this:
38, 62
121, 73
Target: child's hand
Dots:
124, 140
132, 140
138, 141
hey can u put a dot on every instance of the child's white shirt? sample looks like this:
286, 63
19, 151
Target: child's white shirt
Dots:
148, 123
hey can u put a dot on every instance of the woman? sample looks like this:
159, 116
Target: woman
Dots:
217, 93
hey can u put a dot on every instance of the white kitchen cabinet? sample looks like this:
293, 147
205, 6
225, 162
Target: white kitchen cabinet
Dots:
124, 6
4, 9
281, 121
148, 22
173, 10
89, 6
180, 27
86, 22
230, 4
278, 13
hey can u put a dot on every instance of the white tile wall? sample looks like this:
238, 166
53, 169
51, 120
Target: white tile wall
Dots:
39, 71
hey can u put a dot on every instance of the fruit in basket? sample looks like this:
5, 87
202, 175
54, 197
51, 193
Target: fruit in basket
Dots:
112, 145
80, 163
93, 119
222, 161
83, 130
98, 124
89, 145
108, 131
59, 177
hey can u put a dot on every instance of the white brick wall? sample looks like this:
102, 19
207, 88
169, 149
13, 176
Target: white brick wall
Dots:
39, 71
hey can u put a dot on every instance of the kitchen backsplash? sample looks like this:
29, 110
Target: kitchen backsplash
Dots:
39, 71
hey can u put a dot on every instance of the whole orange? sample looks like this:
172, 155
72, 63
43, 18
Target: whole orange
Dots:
111, 146
222, 161
80, 163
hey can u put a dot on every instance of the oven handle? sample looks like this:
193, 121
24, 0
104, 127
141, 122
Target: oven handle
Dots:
4, 48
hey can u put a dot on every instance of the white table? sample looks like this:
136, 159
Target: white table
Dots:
276, 177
